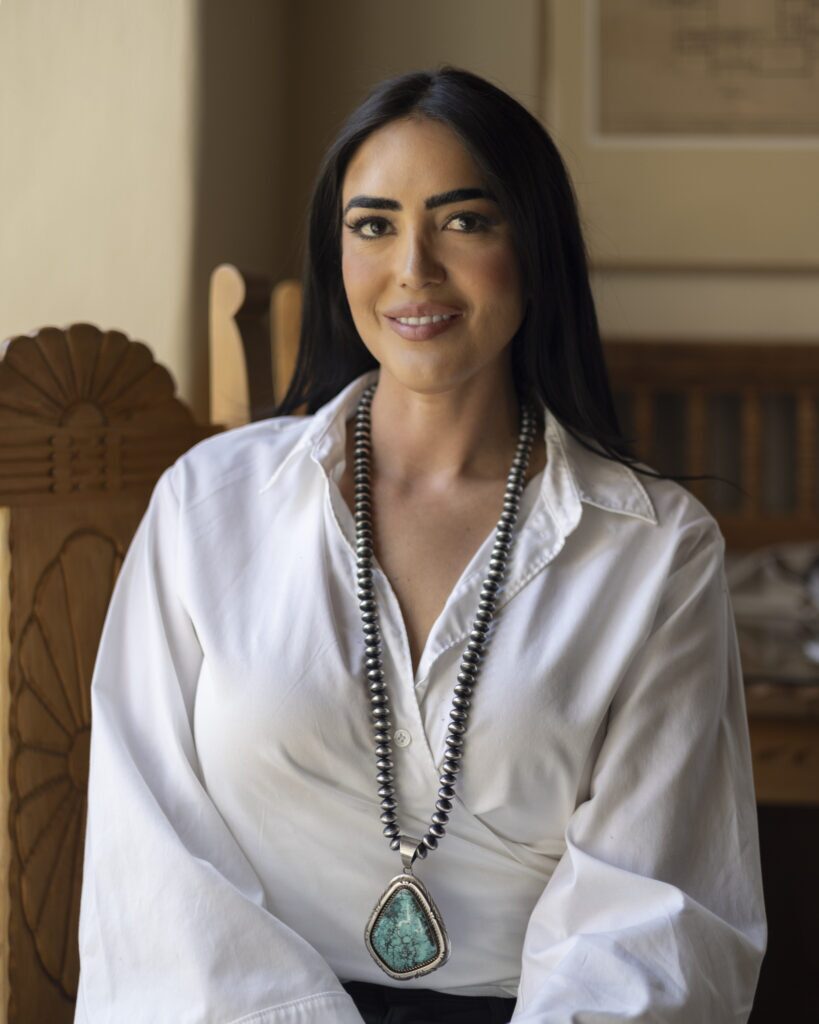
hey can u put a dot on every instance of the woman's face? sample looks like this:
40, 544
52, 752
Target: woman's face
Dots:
395, 251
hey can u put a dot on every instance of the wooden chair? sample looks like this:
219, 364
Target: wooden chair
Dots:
746, 411
254, 339
88, 422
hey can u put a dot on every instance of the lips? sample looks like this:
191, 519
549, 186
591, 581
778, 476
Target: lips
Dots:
421, 332
421, 309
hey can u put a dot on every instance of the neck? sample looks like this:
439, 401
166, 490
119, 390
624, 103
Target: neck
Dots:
432, 441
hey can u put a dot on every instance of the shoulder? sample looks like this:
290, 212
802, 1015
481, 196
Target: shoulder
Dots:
653, 525
680, 514
661, 547
633, 502
686, 543
236, 461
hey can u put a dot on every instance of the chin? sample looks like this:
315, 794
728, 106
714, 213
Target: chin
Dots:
430, 376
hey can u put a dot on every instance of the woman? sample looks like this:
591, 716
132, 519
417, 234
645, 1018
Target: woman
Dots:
426, 706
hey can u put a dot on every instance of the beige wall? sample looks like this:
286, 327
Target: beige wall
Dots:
97, 104
750, 306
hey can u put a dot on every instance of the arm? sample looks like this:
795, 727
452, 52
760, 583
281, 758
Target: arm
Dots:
655, 911
173, 922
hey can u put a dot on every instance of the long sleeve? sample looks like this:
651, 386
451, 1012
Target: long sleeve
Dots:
655, 911
173, 921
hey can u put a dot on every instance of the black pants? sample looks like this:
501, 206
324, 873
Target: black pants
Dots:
387, 1004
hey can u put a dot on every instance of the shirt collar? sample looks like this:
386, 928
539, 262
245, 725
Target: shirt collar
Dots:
573, 475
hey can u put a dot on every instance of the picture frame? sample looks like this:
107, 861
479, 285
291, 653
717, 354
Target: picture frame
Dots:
717, 199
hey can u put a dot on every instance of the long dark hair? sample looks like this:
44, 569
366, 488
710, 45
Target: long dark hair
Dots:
556, 354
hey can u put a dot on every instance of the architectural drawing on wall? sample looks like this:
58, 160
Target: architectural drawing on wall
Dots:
707, 67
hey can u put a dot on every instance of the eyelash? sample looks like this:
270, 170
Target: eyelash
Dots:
483, 224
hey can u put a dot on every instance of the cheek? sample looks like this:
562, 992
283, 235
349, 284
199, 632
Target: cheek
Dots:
499, 271
357, 272
496, 278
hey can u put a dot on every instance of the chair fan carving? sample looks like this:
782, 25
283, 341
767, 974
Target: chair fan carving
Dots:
88, 422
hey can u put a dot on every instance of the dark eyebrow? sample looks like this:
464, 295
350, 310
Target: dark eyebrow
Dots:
456, 195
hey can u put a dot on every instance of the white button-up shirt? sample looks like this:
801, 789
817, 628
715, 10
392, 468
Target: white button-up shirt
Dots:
601, 859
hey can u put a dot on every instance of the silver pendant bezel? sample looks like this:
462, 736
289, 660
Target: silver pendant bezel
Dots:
406, 880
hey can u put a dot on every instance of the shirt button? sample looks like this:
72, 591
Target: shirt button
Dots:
402, 738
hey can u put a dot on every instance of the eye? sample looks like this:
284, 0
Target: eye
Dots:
481, 221
357, 226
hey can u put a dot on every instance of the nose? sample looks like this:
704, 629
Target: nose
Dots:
419, 265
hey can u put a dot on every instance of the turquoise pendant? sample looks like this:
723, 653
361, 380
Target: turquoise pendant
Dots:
405, 934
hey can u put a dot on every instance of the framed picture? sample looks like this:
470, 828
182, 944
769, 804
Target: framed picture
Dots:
690, 129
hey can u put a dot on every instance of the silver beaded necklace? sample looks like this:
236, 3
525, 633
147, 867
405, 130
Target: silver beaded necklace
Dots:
405, 934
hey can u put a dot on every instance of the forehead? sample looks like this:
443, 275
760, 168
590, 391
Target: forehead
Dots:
410, 156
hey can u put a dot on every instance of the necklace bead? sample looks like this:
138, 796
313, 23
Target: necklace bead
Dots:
476, 644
